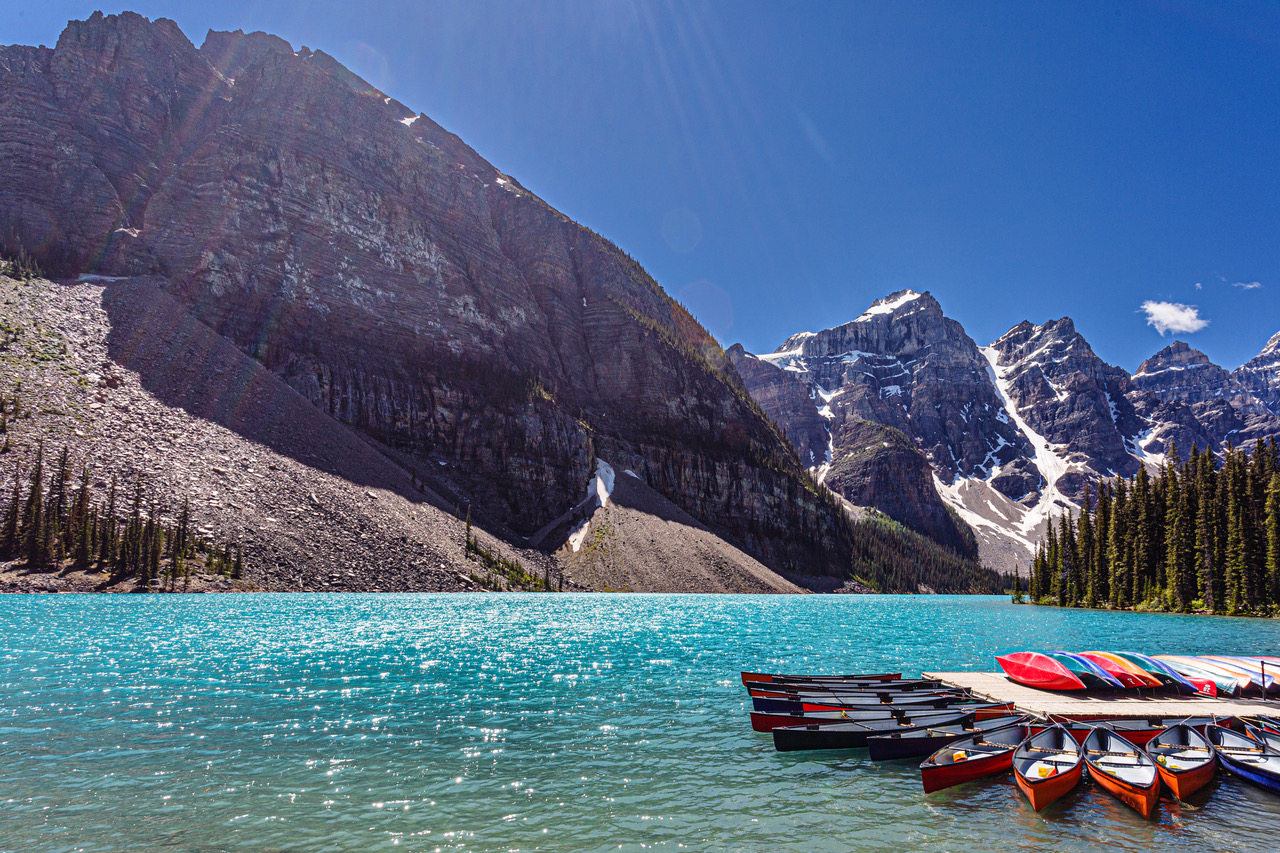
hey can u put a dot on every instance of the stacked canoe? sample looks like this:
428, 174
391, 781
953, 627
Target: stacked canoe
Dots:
1212, 675
966, 739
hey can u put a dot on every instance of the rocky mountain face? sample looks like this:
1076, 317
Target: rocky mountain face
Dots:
1260, 375
901, 365
1003, 436
391, 276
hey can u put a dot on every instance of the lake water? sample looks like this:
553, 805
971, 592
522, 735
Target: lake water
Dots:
525, 722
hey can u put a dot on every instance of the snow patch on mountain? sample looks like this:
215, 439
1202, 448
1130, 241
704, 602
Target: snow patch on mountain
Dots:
887, 305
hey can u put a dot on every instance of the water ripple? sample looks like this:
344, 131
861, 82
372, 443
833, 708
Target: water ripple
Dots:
492, 722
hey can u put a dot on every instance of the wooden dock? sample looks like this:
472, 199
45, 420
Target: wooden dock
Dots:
1066, 706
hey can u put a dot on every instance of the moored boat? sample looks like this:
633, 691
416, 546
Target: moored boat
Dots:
1263, 736
976, 756
1047, 765
853, 735
1138, 730
1246, 758
1123, 769
852, 699
896, 745
1184, 759
789, 704
774, 676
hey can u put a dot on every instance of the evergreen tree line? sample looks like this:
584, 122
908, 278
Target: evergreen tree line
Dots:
57, 525
1202, 535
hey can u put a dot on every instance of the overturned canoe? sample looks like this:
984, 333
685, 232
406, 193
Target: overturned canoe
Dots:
1167, 675
1184, 759
967, 759
1126, 672
1093, 676
1035, 669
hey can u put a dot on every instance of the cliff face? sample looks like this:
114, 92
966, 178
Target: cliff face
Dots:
898, 389
1260, 375
389, 274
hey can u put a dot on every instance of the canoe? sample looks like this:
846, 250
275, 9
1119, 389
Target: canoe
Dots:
1047, 765
982, 710
773, 676
973, 757
1123, 769
853, 735
1184, 759
851, 699
762, 721
896, 745
1137, 730
1189, 667
1246, 758
1262, 736
785, 687
1039, 670
1246, 678
913, 686
1168, 675
1126, 672
1257, 679
1093, 676
1267, 724
786, 705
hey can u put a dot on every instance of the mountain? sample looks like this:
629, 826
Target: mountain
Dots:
390, 276
1261, 375
1002, 437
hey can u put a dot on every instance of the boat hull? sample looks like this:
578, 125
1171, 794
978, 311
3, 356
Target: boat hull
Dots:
1269, 781
935, 777
1040, 671
1043, 792
1185, 783
774, 676
849, 735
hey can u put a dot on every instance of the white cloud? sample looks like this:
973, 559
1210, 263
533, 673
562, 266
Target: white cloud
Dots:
1173, 317
1247, 285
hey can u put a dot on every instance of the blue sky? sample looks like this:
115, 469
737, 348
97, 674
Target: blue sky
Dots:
777, 166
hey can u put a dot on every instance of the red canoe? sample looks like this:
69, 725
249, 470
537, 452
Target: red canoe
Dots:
1037, 670
977, 756
1047, 765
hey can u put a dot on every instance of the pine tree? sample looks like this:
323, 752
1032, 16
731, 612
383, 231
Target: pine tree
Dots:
1273, 538
108, 532
81, 524
33, 529
1118, 574
11, 539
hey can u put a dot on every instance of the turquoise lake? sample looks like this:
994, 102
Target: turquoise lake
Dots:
526, 722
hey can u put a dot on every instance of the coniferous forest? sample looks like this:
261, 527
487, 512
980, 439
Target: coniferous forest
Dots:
1202, 536
51, 522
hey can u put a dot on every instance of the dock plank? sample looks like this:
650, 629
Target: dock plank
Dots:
1064, 706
